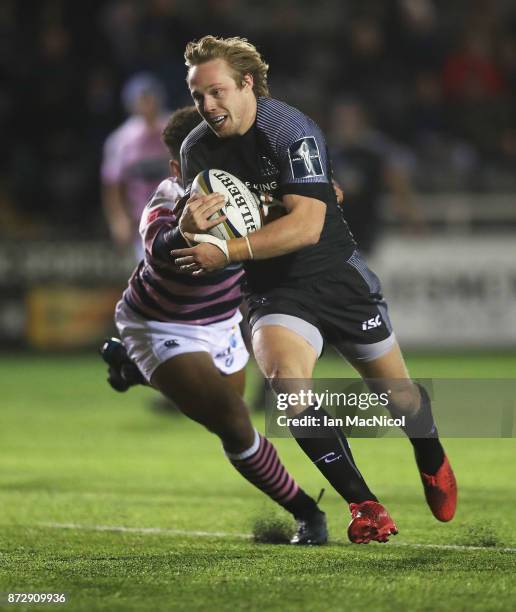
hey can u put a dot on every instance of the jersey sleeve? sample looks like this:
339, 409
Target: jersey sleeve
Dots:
161, 210
303, 158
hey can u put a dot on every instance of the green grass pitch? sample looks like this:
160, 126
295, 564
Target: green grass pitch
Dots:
79, 461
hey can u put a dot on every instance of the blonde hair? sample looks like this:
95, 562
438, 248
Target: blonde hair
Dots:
242, 57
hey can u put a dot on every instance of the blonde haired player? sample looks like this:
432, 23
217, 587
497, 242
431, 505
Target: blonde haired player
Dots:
307, 282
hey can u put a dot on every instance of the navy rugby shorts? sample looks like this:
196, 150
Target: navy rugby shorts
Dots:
345, 306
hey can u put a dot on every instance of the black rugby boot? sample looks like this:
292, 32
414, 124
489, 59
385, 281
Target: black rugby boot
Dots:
311, 531
123, 373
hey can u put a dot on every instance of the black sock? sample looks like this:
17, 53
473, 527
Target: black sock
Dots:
331, 454
302, 506
428, 450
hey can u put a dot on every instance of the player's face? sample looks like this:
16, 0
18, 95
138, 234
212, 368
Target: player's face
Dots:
228, 108
147, 105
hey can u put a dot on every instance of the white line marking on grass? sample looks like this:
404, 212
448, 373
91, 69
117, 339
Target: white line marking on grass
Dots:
244, 536
148, 530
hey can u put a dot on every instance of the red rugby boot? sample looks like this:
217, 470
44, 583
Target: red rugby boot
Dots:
370, 521
441, 491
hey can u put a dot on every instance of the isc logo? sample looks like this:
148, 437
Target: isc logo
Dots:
372, 323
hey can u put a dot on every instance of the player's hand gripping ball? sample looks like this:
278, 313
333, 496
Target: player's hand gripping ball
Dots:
242, 210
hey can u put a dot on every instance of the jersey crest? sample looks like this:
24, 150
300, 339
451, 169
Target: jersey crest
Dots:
267, 166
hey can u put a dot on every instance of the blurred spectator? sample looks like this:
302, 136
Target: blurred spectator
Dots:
427, 115
471, 72
369, 70
120, 21
475, 88
102, 105
49, 173
7, 78
416, 35
162, 34
367, 165
135, 160
507, 54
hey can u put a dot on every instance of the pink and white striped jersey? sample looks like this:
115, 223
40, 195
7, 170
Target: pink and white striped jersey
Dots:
159, 292
135, 155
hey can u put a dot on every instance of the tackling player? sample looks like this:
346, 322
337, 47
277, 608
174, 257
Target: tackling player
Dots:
183, 335
307, 282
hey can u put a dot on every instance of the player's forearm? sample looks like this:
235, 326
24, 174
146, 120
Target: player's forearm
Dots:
301, 227
402, 193
165, 240
285, 235
117, 217
112, 202
280, 237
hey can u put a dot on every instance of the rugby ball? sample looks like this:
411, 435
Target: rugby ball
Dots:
242, 207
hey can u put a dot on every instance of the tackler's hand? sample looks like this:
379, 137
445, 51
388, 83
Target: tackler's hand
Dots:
210, 254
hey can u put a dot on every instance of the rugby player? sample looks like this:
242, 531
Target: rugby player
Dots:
183, 335
135, 160
307, 282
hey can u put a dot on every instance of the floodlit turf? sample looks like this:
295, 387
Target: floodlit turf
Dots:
78, 461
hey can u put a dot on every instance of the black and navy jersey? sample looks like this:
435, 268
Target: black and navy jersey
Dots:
284, 152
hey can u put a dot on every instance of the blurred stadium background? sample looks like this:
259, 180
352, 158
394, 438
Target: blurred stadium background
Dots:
432, 84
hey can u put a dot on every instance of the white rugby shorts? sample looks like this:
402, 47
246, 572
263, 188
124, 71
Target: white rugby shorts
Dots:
150, 343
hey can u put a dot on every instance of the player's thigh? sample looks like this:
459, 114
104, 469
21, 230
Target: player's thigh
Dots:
286, 359
200, 391
389, 374
282, 353
236, 381
286, 339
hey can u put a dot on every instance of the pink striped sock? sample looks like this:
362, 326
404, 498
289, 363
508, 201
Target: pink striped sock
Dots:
262, 467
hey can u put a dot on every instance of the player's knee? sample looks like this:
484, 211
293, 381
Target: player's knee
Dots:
404, 401
280, 373
236, 440
290, 381
236, 435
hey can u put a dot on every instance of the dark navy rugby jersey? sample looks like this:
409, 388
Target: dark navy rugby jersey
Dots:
283, 153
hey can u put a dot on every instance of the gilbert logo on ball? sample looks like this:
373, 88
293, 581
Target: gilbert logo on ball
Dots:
242, 207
